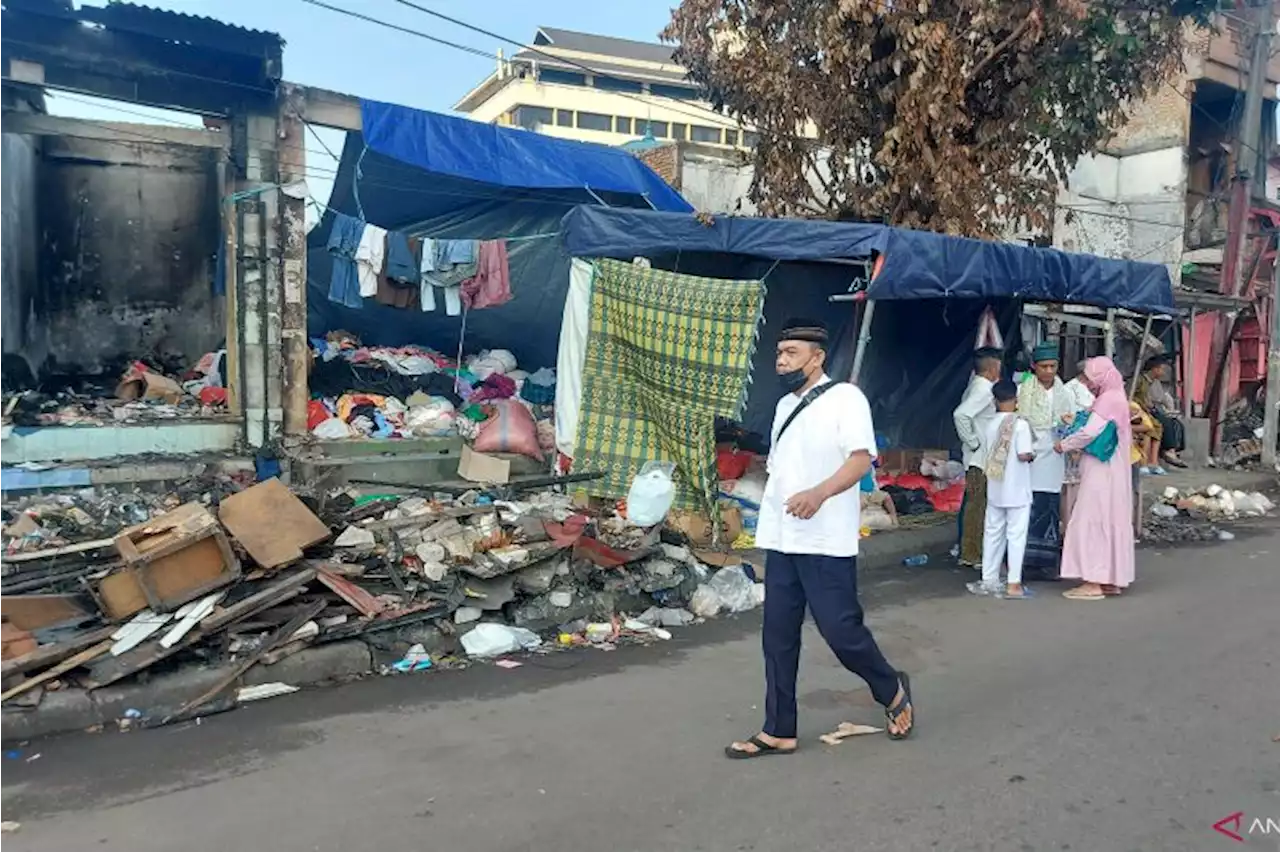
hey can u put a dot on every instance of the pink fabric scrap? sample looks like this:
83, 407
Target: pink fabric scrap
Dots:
491, 285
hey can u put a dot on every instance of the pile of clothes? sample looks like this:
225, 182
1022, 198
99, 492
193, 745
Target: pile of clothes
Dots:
416, 392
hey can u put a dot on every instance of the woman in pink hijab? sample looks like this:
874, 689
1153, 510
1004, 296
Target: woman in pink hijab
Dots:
1099, 542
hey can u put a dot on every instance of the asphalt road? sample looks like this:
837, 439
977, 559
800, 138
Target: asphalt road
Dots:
1127, 725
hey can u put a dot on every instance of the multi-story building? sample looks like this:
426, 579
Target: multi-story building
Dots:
599, 89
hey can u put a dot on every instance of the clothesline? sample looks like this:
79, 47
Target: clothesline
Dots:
323, 208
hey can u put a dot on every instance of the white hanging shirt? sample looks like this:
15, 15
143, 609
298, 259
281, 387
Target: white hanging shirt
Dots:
369, 257
821, 438
1014, 489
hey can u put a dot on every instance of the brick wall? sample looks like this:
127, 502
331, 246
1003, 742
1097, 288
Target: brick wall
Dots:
665, 161
1160, 121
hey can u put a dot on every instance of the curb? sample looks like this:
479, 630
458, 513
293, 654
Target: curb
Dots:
69, 710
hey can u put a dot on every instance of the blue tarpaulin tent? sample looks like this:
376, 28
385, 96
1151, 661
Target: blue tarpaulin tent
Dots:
917, 264
931, 289
439, 176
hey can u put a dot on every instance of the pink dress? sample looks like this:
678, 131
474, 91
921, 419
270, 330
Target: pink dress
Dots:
1099, 542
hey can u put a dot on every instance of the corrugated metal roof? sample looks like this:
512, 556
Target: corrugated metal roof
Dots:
178, 26
603, 45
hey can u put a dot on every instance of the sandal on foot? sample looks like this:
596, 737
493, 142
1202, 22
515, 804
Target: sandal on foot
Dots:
1112, 591
763, 749
1077, 595
892, 713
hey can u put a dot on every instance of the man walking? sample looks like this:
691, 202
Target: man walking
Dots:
822, 445
976, 410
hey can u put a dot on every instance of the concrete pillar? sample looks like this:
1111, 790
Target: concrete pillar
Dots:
293, 241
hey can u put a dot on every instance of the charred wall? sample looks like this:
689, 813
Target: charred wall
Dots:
128, 238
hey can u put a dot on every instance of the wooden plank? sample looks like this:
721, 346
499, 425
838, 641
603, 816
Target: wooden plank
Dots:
272, 524
60, 669
189, 616
33, 612
82, 547
232, 676
109, 671
47, 655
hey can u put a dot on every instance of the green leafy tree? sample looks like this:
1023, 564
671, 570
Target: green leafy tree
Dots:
951, 115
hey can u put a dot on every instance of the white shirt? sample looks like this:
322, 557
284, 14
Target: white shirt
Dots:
1014, 489
821, 438
976, 409
369, 255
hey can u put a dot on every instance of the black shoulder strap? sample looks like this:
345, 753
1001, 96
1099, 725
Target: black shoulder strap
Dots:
808, 399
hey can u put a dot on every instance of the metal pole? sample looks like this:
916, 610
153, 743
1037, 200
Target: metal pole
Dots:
864, 337
1271, 403
1189, 379
1142, 345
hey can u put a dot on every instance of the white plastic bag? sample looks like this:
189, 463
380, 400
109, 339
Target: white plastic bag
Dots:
492, 640
651, 495
705, 603
733, 587
332, 429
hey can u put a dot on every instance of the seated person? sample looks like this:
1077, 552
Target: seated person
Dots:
1155, 399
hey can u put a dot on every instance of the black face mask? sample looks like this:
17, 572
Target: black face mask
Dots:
793, 381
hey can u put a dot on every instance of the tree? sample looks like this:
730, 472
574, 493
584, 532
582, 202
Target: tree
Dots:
959, 116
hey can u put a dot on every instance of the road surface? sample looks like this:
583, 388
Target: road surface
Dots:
1127, 725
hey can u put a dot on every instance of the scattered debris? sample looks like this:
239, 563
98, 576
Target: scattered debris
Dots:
508, 664
492, 640
848, 729
415, 660
263, 690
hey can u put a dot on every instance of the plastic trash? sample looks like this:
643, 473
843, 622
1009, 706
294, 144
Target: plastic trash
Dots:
599, 631
355, 537
651, 495
705, 603
332, 429
733, 587
666, 617
491, 640
416, 659
1226, 535
917, 560
467, 614
1163, 510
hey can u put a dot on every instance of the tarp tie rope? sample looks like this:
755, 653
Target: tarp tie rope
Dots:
355, 184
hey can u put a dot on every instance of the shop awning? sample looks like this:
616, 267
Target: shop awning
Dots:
508, 157
917, 264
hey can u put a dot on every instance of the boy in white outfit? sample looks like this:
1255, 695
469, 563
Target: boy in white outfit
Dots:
1010, 452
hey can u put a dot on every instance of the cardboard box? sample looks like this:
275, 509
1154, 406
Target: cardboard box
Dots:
696, 526
170, 560
483, 468
141, 383
34, 612
15, 642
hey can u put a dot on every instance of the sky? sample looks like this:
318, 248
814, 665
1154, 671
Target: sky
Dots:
333, 51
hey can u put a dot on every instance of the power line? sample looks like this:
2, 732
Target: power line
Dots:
649, 101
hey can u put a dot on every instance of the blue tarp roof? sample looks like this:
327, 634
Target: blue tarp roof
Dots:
917, 265
508, 157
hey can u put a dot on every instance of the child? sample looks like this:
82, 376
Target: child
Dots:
1008, 495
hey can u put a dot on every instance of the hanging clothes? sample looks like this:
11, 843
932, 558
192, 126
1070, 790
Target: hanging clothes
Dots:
403, 262
445, 265
344, 241
369, 258
395, 297
491, 285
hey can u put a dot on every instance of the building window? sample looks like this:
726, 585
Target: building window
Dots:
731, 137
615, 84
595, 121
566, 78
680, 93
658, 129
564, 118
702, 133
750, 139
622, 124
531, 117
680, 131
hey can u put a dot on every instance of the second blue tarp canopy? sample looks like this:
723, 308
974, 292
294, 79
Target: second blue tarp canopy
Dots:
917, 264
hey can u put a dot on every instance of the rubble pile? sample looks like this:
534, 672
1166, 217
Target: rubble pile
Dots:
142, 394
1183, 516
1242, 433
101, 587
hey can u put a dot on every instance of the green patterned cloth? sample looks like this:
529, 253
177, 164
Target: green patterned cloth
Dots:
666, 354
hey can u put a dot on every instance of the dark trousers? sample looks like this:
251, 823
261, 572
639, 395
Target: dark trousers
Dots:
1173, 436
829, 585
